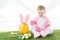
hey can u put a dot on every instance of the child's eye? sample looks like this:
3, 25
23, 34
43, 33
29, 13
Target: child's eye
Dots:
39, 13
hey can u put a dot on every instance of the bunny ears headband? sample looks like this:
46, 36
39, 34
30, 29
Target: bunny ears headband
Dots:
26, 18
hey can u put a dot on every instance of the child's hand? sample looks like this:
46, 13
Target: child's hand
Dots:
32, 22
47, 25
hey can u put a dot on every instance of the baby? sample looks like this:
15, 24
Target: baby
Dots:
41, 24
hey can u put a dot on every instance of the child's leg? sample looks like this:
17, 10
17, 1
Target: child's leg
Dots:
36, 34
43, 34
48, 31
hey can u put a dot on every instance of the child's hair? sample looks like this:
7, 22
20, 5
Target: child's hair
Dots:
40, 7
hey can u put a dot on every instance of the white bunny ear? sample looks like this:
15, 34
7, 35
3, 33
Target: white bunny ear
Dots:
27, 18
21, 18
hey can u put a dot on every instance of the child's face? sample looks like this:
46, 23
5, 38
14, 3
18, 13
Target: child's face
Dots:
41, 12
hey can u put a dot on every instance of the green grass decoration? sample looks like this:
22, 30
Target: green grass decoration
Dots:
7, 36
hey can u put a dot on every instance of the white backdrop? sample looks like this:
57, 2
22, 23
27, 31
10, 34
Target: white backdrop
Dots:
9, 13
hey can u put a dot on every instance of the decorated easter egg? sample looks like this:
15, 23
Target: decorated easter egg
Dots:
23, 28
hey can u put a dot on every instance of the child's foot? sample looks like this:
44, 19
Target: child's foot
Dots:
36, 34
43, 34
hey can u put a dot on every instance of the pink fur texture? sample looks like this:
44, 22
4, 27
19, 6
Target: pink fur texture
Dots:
41, 30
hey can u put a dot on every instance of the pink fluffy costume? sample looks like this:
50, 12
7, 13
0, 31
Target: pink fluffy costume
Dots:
40, 28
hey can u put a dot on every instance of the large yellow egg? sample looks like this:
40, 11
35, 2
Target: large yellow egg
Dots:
23, 28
